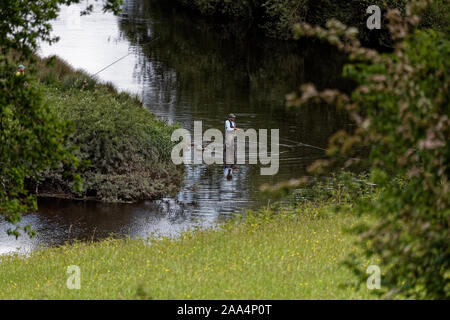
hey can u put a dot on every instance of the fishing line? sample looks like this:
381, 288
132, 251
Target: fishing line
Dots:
112, 64
122, 57
301, 144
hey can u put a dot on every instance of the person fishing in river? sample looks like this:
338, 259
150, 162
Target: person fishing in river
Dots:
230, 128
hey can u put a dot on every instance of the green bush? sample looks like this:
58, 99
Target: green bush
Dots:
411, 120
230, 9
126, 150
401, 110
278, 17
32, 139
437, 16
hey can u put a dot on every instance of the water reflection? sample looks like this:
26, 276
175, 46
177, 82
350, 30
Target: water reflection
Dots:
187, 69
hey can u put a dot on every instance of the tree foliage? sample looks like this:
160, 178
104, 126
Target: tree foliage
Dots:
401, 109
125, 148
277, 17
23, 23
31, 140
31, 136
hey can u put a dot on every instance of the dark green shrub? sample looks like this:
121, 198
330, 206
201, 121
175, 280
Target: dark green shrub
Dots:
437, 16
231, 9
32, 139
401, 110
126, 150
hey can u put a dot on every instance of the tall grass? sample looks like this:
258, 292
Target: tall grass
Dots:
56, 72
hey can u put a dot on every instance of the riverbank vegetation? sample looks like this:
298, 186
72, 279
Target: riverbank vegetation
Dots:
32, 137
126, 150
122, 151
401, 110
276, 17
294, 250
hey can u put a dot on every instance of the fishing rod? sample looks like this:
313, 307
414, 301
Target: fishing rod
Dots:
111, 64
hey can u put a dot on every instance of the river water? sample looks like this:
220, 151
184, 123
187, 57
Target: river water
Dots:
189, 69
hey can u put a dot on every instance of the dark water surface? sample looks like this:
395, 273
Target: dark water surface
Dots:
195, 70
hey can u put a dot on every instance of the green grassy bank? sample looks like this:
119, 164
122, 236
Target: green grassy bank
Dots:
292, 253
124, 149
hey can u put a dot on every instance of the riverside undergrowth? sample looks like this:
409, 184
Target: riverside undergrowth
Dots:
124, 148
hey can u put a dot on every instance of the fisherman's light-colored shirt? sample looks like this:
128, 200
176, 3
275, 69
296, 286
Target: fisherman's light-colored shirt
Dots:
229, 125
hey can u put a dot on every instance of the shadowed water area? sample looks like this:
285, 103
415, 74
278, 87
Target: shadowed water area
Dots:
189, 69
